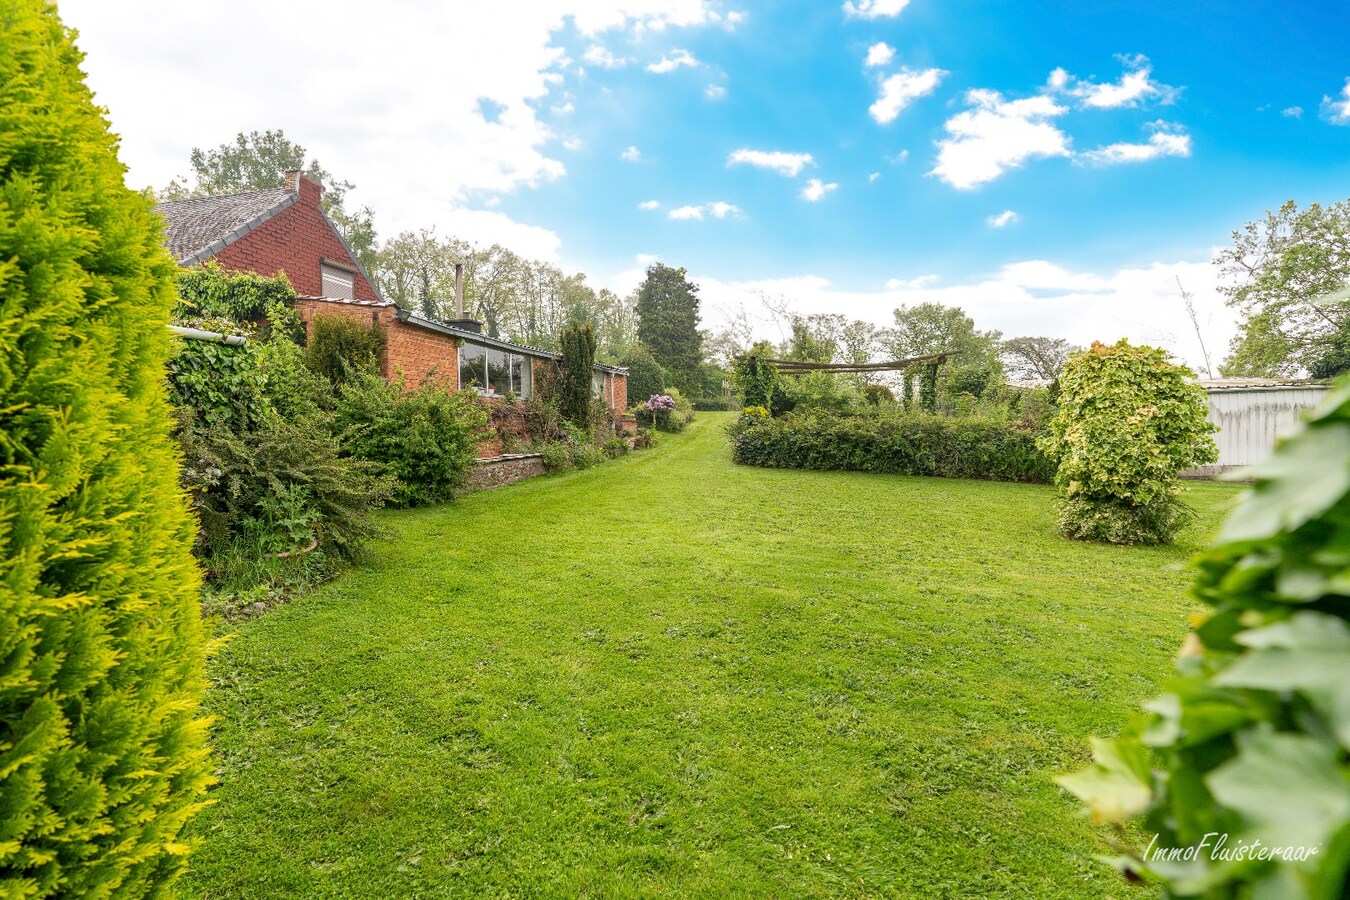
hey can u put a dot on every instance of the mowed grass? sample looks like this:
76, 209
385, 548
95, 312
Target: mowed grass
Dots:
673, 676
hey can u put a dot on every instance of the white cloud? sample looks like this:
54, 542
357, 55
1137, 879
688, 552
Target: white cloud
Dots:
1003, 219
1337, 111
873, 176
686, 213
879, 54
632, 154
1292, 112
874, 9
1134, 88
1035, 297
902, 88
650, 204
901, 157
600, 55
563, 110
487, 227
714, 92
816, 190
782, 162
401, 119
674, 61
996, 135
718, 209
906, 284
1166, 140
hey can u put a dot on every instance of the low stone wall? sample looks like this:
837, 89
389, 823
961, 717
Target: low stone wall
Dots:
499, 470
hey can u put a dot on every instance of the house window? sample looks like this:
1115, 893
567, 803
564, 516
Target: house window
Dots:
521, 372
498, 372
494, 372
471, 366
337, 282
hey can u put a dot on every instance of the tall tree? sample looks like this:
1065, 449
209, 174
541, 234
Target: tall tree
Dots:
933, 328
1280, 273
668, 316
1035, 358
102, 751
260, 160
416, 270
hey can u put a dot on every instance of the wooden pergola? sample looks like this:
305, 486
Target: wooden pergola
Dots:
796, 367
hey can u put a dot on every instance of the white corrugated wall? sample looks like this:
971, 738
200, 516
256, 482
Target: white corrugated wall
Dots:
1250, 419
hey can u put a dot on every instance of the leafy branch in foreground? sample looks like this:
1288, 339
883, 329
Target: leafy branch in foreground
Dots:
1251, 743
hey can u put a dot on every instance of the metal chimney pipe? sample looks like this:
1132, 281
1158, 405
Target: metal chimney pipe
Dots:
459, 290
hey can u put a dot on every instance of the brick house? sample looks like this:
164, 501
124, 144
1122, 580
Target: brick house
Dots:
285, 230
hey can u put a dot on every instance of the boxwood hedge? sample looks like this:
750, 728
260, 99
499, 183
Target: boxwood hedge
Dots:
915, 444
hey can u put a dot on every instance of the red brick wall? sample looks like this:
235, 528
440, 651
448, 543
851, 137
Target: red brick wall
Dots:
294, 241
620, 394
420, 355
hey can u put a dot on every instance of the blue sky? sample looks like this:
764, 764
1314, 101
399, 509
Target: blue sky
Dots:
1094, 151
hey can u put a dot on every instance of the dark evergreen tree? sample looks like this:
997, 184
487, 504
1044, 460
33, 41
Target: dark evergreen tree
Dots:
578, 349
667, 310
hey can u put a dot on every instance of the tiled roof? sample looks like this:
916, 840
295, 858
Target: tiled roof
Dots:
199, 228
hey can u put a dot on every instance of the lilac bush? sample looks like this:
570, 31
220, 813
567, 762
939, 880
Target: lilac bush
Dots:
660, 403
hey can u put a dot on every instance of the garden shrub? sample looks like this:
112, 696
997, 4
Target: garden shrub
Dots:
102, 749
1129, 421
646, 377
913, 444
425, 439
877, 394
341, 349
670, 411
1252, 739
822, 392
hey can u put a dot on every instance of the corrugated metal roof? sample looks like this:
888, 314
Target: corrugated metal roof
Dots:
1238, 383
346, 301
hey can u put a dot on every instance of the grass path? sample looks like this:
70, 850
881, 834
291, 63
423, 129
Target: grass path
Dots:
672, 676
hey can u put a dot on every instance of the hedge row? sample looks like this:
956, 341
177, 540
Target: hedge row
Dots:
908, 445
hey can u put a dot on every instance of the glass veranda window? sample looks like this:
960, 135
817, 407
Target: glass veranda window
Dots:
472, 372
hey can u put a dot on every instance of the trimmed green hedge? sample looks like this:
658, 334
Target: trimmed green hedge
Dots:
102, 749
900, 445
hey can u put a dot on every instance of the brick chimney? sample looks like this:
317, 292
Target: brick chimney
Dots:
311, 191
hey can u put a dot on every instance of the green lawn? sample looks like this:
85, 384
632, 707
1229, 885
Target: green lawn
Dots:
673, 676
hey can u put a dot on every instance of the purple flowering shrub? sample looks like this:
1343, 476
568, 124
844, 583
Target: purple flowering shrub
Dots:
660, 403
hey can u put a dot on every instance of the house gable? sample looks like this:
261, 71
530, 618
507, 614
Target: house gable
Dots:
267, 232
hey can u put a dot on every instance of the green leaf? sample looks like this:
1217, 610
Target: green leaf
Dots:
1308, 653
1116, 786
1304, 479
1288, 788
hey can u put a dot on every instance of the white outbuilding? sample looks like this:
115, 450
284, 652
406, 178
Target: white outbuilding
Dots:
1251, 413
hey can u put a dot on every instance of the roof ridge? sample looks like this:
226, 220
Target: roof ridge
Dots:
252, 193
